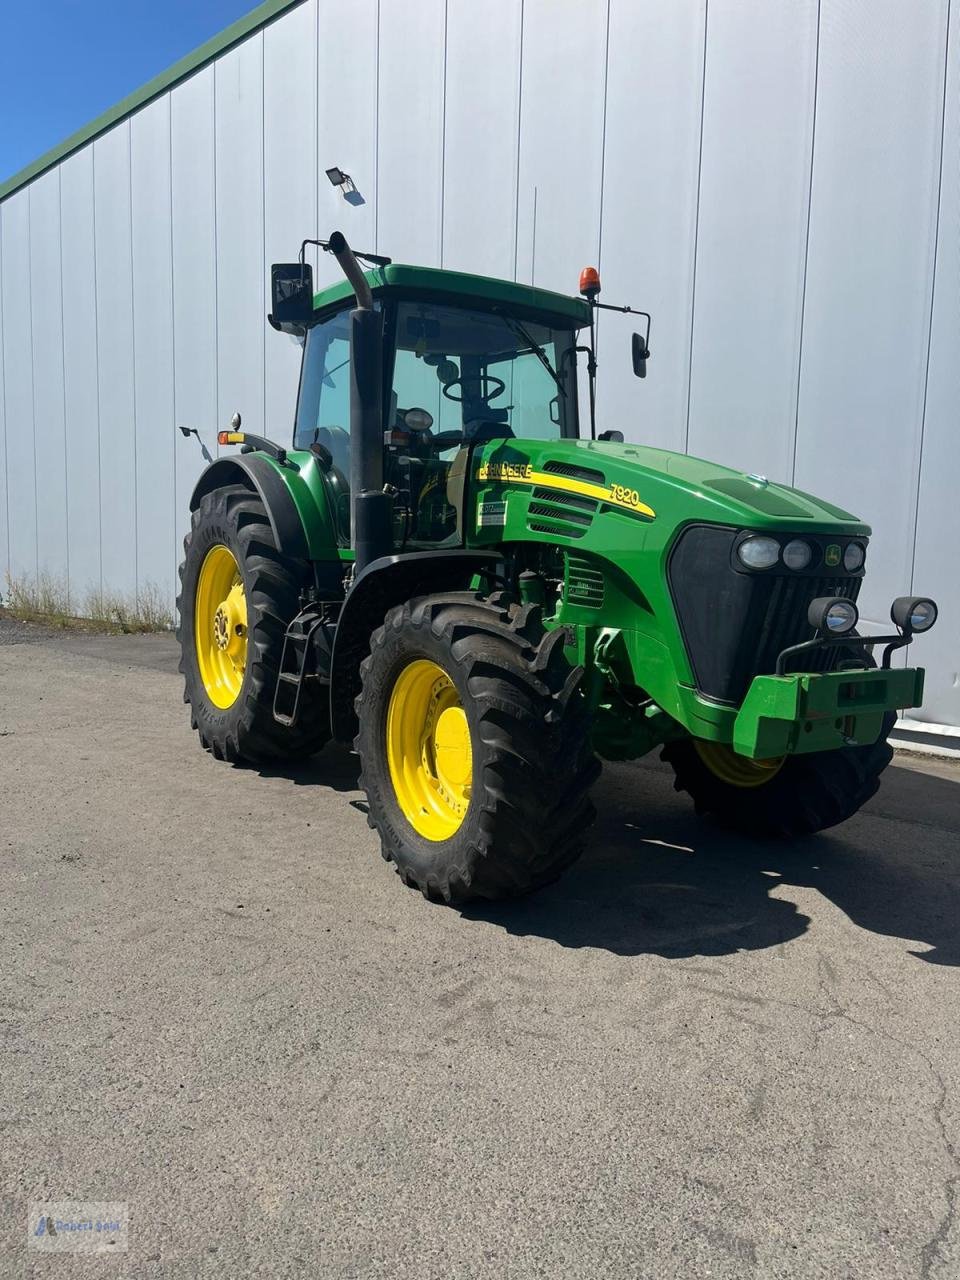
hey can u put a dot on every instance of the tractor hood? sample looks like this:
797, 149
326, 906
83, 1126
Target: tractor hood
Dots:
656, 486
646, 540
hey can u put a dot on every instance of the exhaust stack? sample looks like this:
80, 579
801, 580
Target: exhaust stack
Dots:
371, 510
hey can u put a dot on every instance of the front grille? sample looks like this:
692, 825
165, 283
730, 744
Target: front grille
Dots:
786, 622
736, 624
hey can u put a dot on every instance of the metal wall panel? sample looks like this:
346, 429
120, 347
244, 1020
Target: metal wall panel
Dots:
870, 271
18, 385
289, 186
118, 445
80, 380
195, 340
751, 232
347, 85
482, 102
153, 344
241, 308
935, 570
410, 130
46, 315
561, 140
560, 170
651, 161
4, 472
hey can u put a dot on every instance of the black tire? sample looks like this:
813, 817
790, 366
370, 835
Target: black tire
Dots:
528, 725
808, 794
246, 731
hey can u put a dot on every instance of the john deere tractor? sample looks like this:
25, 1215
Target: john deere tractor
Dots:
483, 596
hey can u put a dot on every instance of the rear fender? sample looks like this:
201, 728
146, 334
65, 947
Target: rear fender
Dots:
301, 528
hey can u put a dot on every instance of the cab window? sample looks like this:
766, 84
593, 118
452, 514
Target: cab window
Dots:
474, 370
460, 377
323, 409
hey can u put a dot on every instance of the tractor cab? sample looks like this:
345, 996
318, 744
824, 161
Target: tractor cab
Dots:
461, 365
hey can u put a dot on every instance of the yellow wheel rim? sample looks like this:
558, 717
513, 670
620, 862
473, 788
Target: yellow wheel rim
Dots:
220, 626
428, 750
736, 770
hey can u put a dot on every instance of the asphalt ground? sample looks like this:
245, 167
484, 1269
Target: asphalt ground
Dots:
695, 1056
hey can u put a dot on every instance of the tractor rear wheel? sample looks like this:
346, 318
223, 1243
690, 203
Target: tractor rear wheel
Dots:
790, 796
474, 748
238, 593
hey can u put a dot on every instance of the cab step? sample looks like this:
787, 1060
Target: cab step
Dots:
298, 662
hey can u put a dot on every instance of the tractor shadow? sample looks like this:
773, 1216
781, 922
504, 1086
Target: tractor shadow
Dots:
656, 879
335, 768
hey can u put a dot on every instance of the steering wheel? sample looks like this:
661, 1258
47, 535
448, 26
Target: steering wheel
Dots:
486, 380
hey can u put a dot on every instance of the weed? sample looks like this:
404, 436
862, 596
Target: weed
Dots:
47, 599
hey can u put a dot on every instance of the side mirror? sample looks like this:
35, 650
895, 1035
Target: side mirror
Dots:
291, 296
612, 437
641, 354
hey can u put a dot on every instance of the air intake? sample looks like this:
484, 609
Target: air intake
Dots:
583, 582
572, 501
555, 529
556, 512
567, 469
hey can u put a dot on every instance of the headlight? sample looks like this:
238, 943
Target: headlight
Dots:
914, 613
853, 557
797, 554
833, 615
759, 553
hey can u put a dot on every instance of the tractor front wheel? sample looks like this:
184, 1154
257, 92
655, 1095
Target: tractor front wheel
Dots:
238, 593
789, 796
474, 747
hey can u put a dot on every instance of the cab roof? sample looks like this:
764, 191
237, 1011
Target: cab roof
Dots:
458, 287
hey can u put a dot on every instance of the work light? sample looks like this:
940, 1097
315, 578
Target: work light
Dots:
418, 419
913, 613
759, 553
833, 615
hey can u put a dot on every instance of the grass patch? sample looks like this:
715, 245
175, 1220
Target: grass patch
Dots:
46, 599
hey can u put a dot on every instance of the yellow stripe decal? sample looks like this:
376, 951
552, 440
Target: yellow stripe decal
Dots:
616, 495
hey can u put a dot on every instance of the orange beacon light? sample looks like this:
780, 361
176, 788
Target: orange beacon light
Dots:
590, 283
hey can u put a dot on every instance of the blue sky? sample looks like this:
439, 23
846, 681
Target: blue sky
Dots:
62, 62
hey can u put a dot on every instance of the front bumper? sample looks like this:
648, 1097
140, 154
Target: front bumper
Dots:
794, 714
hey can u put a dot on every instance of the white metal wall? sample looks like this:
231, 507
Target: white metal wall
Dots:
776, 180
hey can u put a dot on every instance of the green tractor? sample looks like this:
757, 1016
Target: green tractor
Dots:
446, 572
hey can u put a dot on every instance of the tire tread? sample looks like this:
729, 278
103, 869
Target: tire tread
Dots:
538, 766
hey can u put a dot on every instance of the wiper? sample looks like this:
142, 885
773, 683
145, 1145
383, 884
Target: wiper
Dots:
328, 373
539, 352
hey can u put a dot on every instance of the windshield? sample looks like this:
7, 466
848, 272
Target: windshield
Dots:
458, 377
480, 372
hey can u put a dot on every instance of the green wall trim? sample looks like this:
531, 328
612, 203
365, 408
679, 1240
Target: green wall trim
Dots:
260, 17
